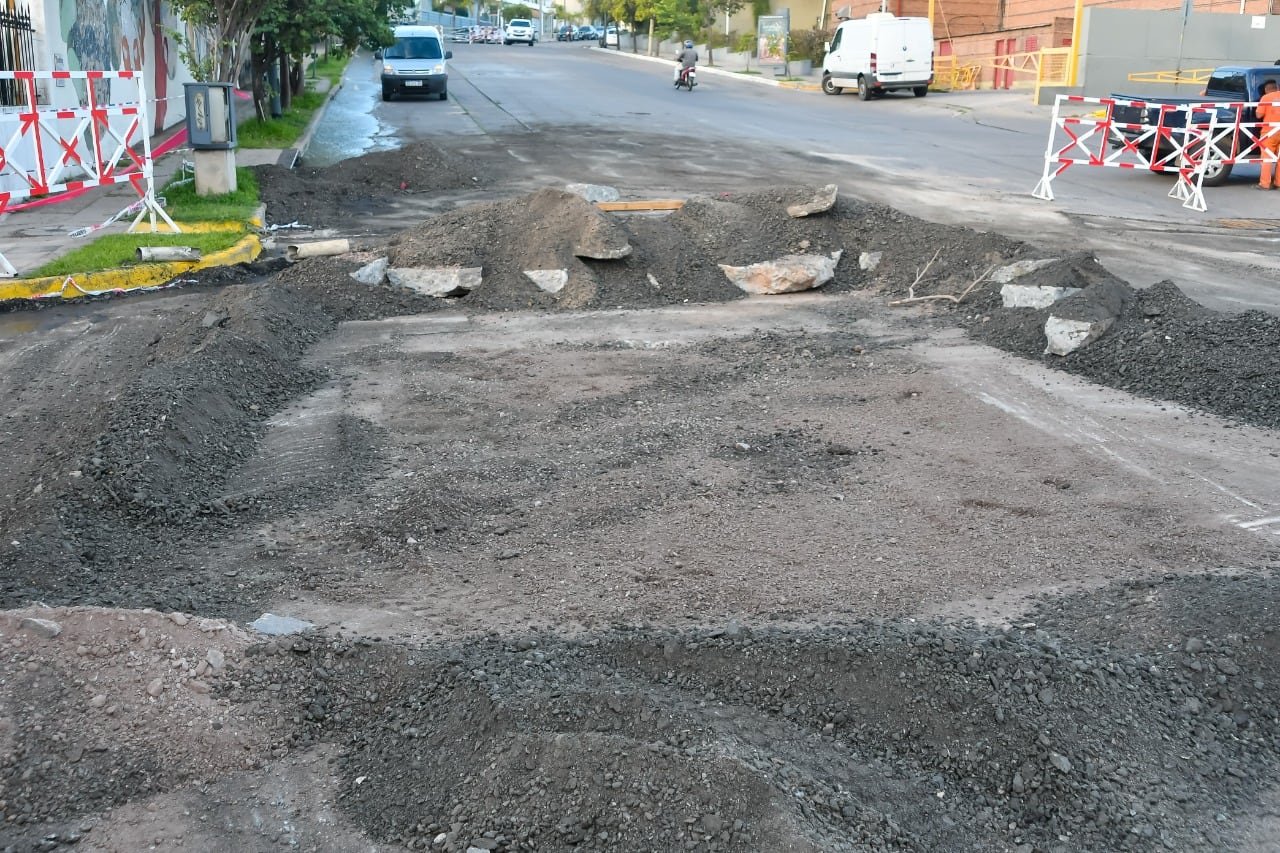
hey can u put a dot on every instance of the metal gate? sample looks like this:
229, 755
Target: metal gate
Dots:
17, 53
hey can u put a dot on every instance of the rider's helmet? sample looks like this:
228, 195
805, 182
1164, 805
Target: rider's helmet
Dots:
688, 43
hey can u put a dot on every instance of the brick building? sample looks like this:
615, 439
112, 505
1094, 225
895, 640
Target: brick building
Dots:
981, 31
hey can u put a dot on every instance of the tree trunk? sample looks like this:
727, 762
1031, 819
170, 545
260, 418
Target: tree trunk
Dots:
297, 77
286, 83
261, 98
652, 49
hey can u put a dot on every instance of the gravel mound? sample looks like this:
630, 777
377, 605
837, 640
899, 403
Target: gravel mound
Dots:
1122, 721
1163, 346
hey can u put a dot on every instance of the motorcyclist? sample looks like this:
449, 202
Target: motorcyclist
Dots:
687, 58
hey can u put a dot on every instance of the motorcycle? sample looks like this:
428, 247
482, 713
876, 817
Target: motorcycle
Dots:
688, 78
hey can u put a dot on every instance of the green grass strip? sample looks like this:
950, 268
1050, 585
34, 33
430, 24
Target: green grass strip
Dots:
283, 132
185, 206
115, 251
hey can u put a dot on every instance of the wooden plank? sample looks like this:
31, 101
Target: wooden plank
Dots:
657, 204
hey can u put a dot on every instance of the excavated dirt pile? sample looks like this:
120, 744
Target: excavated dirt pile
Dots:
714, 576
342, 194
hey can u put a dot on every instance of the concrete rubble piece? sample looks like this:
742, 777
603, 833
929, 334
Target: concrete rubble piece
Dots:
787, 274
823, 200
1082, 318
552, 281
441, 282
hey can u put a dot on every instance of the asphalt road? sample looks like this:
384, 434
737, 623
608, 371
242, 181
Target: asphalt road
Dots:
968, 158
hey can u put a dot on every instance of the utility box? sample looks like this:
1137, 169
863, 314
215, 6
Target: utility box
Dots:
211, 118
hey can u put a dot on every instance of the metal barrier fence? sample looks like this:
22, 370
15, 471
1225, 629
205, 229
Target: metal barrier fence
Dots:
1187, 140
1049, 66
1166, 145
54, 149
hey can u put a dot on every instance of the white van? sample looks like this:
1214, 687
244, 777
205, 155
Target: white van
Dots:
880, 53
415, 64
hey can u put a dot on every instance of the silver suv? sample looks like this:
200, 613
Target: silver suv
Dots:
520, 29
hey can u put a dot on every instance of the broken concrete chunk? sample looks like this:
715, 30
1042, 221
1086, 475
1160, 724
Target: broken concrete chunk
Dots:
552, 281
823, 201
1006, 274
374, 272
599, 237
788, 274
447, 281
1083, 317
593, 192
46, 628
1031, 296
869, 260
276, 626
1064, 337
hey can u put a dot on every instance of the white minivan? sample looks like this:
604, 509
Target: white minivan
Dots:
415, 64
880, 53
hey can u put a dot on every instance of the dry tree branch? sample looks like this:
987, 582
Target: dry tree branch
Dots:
944, 296
920, 274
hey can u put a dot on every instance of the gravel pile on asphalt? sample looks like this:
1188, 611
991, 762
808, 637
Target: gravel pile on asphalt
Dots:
1163, 346
1127, 720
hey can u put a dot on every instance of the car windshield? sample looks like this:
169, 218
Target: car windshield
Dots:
414, 48
518, 23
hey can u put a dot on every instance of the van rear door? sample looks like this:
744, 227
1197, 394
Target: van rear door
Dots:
917, 59
891, 49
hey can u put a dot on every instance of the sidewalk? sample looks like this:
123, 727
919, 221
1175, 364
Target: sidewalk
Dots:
33, 237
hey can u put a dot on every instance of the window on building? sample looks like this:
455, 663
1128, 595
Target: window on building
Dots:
16, 53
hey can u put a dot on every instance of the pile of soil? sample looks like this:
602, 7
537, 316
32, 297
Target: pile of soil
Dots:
340, 195
581, 526
675, 258
1129, 719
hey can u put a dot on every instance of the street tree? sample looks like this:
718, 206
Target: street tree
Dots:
711, 11
228, 24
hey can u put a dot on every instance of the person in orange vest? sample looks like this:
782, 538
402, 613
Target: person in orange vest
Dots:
1269, 145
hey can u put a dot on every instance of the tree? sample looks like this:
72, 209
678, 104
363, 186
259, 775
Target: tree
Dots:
229, 24
633, 12
275, 33
711, 10
517, 10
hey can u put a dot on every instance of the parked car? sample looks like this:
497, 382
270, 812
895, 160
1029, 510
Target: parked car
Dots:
520, 31
415, 64
566, 33
588, 32
609, 38
1229, 84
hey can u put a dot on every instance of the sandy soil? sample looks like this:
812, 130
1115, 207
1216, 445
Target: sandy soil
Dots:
638, 566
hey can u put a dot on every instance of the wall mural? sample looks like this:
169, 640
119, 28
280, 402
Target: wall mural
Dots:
121, 35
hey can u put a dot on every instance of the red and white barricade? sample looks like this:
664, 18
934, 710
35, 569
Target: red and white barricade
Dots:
1168, 144
1234, 133
49, 150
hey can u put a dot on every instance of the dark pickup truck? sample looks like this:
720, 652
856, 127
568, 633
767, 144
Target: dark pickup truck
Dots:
1229, 84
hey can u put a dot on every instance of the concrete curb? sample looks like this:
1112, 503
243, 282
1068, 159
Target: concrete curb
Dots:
119, 281
759, 80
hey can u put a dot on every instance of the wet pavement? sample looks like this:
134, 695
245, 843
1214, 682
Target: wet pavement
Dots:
349, 127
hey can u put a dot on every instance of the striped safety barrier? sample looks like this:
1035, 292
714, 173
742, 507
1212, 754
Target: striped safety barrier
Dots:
56, 150
1164, 142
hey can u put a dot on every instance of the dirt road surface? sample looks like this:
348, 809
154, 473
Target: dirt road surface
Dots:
643, 564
